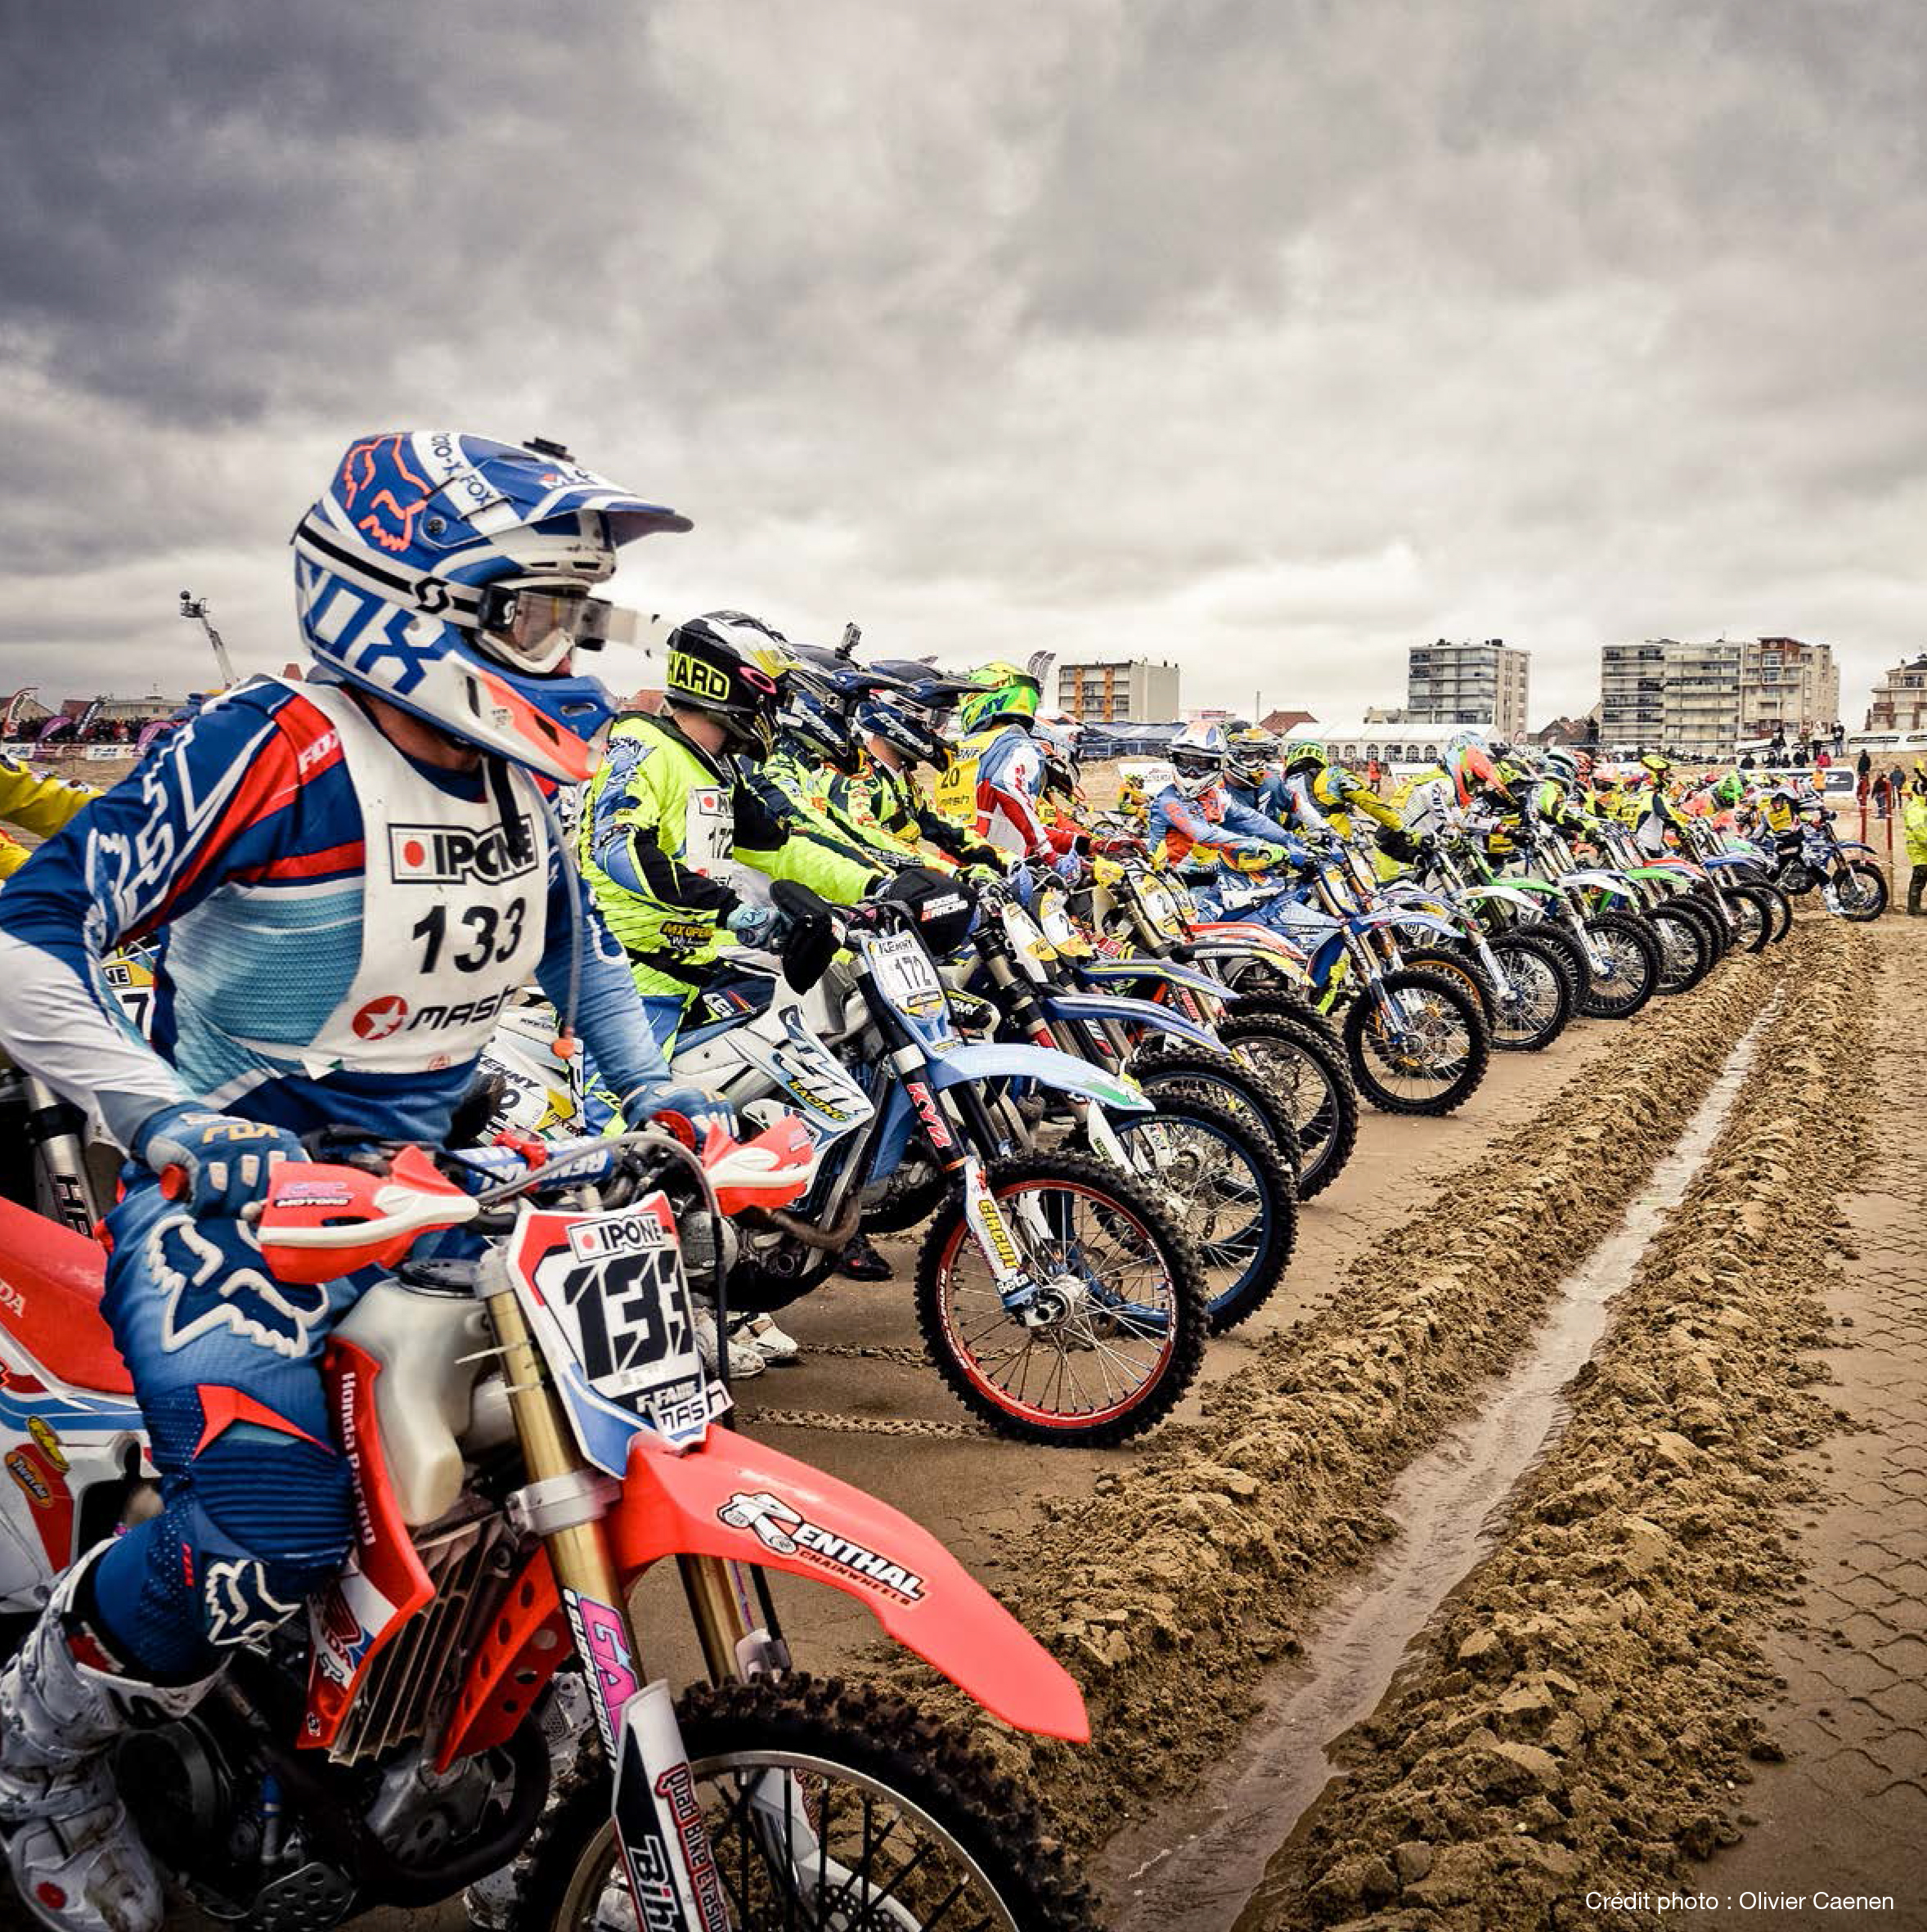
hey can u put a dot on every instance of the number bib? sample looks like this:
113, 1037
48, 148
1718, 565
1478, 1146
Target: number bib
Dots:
954, 793
453, 921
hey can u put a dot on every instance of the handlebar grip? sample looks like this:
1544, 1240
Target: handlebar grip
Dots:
173, 1182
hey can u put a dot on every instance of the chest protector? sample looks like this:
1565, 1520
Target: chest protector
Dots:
453, 920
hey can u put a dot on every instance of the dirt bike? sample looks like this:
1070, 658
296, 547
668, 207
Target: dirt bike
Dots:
1853, 889
530, 1429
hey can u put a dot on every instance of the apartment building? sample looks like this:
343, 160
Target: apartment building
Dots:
1126, 689
1468, 683
1700, 703
1900, 699
1631, 695
1787, 686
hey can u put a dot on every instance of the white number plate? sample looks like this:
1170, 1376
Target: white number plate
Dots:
905, 971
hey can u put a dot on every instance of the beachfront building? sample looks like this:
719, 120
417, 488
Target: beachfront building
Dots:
1109, 692
1468, 683
1788, 689
1900, 699
1662, 694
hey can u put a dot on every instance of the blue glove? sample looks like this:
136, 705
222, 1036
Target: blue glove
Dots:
702, 1111
757, 927
1069, 867
223, 1162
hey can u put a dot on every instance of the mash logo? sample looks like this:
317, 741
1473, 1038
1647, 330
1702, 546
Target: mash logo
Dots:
453, 854
380, 1017
781, 1527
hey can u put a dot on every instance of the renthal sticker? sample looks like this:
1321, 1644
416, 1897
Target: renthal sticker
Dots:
604, 1642
447, 855
20, 1466
44, 1432
933, 1121
781, 1527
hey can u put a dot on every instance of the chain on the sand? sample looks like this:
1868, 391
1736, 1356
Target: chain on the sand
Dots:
850, 1425
870, 1351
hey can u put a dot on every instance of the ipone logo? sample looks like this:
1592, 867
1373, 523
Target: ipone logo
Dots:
446, 855
589, 1239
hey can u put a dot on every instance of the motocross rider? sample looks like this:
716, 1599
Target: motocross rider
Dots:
676, 841
350, 876
35, 803
881, 796
1194, 821
1913, 825
1323, 796
1252, 773
993, 785
1658, 816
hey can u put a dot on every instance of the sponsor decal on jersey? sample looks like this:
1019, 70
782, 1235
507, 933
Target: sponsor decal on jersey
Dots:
454, 854
781, 1527
380, 1017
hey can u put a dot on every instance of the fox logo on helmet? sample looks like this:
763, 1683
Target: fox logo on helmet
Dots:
382, 493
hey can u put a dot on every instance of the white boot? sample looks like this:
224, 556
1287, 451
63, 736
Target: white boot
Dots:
77, 1863
746, 1359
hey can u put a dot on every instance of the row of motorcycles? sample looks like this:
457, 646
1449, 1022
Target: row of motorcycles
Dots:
1104, 1102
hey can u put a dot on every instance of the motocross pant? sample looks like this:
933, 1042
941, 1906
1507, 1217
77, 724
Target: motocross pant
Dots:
257, 1507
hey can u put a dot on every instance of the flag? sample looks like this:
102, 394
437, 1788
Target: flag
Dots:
10, 718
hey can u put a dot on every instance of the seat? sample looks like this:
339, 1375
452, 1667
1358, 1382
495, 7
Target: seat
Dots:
51, 1282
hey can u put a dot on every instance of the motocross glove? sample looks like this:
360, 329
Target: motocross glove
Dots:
1069, 867
687, 1106
216, 1162
1396, 842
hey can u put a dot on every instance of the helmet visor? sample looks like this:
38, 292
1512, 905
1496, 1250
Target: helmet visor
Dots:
534, 627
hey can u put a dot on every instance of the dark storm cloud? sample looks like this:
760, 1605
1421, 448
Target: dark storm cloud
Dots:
1265, 335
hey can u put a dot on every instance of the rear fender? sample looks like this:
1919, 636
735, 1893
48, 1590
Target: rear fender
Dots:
1140, 1012
744, 1502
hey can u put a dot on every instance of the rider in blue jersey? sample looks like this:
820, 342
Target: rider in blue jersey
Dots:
1195, 814
348, 878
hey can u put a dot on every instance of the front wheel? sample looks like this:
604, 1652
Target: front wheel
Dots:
1628, 972
1858, 891
1686, 952
827, 1806
1536, 998
1751, 914
1427, 1053
1114, 1333
1299, 1052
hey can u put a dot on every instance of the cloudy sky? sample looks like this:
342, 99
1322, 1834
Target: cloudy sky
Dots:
1267, 335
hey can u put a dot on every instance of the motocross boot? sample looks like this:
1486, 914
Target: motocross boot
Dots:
77, 1863
1915, 885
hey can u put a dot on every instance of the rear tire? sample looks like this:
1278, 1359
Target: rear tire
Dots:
1686, 950
881, 1785
1371, 1047
1127, 1346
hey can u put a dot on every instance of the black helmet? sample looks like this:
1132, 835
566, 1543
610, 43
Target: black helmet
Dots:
733, 668
899, 727
815, 723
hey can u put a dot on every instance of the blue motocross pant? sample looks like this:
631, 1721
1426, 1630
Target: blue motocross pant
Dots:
257, 1507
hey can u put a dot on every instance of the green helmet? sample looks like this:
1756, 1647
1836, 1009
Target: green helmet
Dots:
1005, 690
1730, 789
1300, 751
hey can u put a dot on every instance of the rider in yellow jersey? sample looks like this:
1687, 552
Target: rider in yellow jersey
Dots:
35, 803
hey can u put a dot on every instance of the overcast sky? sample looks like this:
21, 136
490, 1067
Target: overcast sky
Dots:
1271, 336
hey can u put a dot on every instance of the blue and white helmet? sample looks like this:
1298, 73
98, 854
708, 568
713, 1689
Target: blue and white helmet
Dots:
450, 575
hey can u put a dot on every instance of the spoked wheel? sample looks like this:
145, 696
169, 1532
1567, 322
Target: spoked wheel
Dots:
1426, 1054
829, 1809
1782, 909
1572, 955
1115, 1333
1221, 1178
1462, 967
1249, 1092
1752, 915
1857, 891
1686, 953
1628, 972
1297, 1050
1537, 999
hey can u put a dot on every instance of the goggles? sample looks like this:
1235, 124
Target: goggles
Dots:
533, 628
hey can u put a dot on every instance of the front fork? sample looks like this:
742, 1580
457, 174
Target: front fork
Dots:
658, 1821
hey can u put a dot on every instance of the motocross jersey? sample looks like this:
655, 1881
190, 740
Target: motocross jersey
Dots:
1202, 830
35, 803
338, 926
994, 786
797, 788
673, 840
887, 806
1657, 815
1329, 797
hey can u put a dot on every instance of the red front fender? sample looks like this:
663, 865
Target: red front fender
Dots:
743, 1501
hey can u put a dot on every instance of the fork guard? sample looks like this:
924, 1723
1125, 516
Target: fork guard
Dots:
675, 1505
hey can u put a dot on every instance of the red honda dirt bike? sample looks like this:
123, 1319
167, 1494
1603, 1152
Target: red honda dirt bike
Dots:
530, 1428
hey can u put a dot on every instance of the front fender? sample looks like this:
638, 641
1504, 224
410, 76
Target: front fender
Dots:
1604, 882
1141, 1012
956, 1066
746, 1503
1167, 970
1512, 895
1405, 916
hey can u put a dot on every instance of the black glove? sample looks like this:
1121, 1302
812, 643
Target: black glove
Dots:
805, 935
1396, 842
